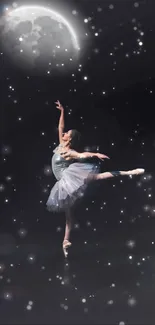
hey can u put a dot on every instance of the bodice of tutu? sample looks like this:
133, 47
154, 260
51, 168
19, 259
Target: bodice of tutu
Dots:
59, 164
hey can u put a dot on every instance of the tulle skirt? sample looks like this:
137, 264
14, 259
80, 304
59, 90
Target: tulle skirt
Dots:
71, 187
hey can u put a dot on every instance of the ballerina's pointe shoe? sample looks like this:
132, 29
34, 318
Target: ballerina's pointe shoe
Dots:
65, 246
138, 171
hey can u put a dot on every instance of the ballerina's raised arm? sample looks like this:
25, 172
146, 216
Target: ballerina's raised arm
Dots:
61, 125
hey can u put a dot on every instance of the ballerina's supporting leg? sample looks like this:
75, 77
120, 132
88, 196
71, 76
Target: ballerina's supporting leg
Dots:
68, 228
105, 175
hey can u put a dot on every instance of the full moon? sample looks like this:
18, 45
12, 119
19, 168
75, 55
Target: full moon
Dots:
35, 37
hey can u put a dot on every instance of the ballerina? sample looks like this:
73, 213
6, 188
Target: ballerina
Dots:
74, 171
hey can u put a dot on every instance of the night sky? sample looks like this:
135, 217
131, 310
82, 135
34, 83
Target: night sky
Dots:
107, 91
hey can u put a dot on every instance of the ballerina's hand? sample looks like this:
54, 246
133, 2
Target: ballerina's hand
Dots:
58, 105
102, 156
67, 155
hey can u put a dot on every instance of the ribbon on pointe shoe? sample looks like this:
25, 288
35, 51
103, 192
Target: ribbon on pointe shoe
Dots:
66, 244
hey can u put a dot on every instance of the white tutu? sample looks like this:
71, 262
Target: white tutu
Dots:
72, 186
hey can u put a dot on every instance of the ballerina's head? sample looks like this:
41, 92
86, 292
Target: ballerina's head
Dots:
72, 139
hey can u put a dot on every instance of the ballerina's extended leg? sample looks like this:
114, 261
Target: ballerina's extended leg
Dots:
66, 242
105, 175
